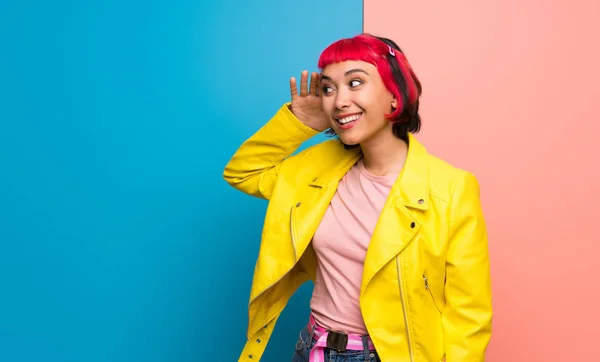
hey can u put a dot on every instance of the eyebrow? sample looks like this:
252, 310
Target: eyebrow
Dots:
351, 71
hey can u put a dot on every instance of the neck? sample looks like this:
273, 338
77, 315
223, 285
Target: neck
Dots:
384, 154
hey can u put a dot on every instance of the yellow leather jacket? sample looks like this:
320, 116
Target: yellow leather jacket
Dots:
426, 290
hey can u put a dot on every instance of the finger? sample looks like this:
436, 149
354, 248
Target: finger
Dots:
304, 83
318, 85
293, 88
314, 83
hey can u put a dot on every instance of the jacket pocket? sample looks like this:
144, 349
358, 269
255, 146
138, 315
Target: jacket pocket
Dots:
426, 282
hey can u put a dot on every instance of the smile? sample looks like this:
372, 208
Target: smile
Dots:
348, 120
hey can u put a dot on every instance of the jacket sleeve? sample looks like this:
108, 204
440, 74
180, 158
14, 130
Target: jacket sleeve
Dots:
254, 167
467, 318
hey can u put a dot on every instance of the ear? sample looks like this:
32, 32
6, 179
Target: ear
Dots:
394, 102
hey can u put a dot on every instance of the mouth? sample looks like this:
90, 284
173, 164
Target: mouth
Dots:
348, 120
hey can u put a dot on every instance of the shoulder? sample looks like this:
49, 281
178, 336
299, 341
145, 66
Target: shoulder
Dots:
323, 156
445, 178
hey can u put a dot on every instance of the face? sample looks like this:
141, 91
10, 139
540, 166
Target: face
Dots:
356, 101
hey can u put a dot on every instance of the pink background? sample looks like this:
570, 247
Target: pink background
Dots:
511, 93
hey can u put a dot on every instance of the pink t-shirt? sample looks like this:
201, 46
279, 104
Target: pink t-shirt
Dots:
341, 243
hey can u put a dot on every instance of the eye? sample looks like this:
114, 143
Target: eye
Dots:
355, 83
326, 89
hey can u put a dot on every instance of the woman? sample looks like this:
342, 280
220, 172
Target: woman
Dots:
393, 238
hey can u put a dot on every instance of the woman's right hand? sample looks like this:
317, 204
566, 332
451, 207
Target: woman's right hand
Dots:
306, 106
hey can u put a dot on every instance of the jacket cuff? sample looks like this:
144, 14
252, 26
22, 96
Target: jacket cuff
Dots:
292, 125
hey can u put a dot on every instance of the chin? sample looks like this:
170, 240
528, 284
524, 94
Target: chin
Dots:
350, 137
350, 141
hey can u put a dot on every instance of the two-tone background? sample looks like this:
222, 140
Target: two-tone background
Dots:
119, 240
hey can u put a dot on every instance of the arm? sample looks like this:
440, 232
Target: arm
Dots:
467, 318
254, 167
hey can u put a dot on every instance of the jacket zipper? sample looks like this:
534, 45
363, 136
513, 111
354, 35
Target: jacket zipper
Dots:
294, 247
408, 339
430, 292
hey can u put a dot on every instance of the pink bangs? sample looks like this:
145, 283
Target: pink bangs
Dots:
362, 48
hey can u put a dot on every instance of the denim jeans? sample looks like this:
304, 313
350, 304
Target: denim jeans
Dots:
306, 341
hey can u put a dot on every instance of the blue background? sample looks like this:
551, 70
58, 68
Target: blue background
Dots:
119, 239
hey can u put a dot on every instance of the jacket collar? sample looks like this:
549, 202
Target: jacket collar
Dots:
411, 189
412, 185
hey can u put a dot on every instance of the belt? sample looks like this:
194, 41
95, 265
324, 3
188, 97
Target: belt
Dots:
336, 341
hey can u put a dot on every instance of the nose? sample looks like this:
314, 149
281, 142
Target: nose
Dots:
342, 100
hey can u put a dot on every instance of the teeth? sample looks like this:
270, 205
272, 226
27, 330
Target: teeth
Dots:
349, 119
